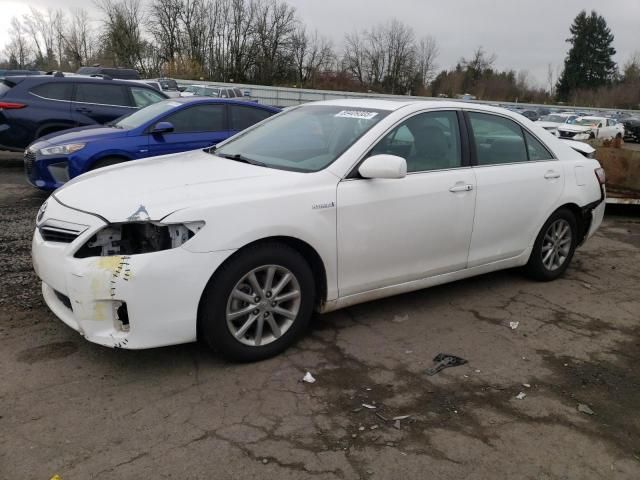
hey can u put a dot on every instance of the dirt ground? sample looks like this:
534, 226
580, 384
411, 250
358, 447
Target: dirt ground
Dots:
82, 411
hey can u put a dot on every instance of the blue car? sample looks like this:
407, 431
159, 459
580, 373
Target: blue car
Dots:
169, 126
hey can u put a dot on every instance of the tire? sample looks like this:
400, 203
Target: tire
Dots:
107, 162
223, 317
540, 267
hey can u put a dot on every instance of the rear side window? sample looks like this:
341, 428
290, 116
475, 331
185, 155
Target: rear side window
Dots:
497, 139
54, 91
102, 94
243, 117
536, 150
143, 97
5, 87
201, 118
237, 92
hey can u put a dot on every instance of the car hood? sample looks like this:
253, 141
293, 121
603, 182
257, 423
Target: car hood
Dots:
576, 128
547, 125
153, 188
81, 134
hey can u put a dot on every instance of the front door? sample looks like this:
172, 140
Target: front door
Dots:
195, 127
100, 103
396, 231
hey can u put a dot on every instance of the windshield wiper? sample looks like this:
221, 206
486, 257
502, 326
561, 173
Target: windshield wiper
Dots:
238, 157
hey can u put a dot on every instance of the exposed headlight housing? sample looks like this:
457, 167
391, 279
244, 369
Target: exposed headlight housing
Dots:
67, 149
134, 238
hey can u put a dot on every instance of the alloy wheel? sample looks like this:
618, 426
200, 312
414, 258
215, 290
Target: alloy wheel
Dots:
556, 244
263, 305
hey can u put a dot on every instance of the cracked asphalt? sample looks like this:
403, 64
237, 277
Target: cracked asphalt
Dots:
82, 411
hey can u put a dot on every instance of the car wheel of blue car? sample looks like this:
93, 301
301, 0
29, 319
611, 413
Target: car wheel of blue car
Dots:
107, 162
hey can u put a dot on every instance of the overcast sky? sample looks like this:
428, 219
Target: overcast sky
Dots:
524, 34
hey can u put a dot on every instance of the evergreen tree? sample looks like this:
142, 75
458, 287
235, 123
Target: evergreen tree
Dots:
589, 63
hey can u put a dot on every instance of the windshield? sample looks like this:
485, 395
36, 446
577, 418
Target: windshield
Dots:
202, 91
305, 139
169, 84
554, 119
146, 114
587, 122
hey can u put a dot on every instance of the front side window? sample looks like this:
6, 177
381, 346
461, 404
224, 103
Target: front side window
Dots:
54, 91
428, 141
305, 139
102, 94
143, 97
140, 117
243, 117
200, 118
497, 139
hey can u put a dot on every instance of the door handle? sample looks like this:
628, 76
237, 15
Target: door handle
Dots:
461, 188
550, 175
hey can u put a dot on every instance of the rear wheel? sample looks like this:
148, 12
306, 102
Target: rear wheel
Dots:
258, 303
554, 247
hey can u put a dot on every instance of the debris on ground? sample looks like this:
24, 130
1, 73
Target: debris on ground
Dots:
401, 417
400, 318
308, 378
445, 360
513, 325
370, 407
526, 385
396, 424
521, 396
265, 460
583, 408
381, 417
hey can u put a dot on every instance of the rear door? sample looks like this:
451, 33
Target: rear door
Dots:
519, 183
100, 102
199, 126
244, 116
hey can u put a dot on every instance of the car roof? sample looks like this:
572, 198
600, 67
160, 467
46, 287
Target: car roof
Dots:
586, 117
244, 103
392, 105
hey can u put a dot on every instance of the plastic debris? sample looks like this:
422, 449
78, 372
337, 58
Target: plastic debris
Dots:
373, 427
370, 407
381, 417
513, 325
361, 428
308, 378
521, 396
526, 385
396, 424
445, 360
265, 460
401, 417
400, 319
56, 477
585, 409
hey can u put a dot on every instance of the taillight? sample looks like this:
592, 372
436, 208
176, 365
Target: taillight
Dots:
11, 105
602, 178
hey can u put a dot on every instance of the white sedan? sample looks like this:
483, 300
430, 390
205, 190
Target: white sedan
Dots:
320, 207
585, 128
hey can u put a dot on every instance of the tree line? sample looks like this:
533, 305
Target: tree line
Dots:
265, 42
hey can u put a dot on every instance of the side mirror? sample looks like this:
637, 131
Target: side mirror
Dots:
162, 127
383, 166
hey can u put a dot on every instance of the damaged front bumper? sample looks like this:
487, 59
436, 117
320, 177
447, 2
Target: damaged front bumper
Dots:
137, 301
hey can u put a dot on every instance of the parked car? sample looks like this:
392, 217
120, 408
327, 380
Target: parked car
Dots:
631, 129
156, 84
169, 86
165, 127
35, 106
585, 128
552, 121
214, 91
530, 114
323, 206
120, 73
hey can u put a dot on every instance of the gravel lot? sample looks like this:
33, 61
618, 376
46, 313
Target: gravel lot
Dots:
82, 411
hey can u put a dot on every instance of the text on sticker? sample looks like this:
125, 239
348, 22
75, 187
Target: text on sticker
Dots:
363, 114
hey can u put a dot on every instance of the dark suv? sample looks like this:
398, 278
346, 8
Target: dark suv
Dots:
113, 72
31, 107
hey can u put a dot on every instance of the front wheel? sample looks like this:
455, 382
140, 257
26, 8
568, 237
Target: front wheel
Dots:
258, 303
554, 247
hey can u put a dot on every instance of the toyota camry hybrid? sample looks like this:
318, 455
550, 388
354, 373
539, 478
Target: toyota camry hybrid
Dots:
320, 207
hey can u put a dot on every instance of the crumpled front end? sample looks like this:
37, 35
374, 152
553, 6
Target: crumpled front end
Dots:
122, 301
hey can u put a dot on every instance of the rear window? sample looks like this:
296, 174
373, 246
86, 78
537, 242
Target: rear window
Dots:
53, 91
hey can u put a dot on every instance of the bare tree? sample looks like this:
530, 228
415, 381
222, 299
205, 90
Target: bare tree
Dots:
400, 47
275, 25
164, 26
78, 39
427, 52
18, 48
354, 56
122, 35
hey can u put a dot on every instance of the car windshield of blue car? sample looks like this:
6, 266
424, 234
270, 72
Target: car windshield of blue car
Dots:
305, 139
146, 114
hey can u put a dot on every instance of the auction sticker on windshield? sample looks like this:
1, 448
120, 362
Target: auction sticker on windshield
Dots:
362, 114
